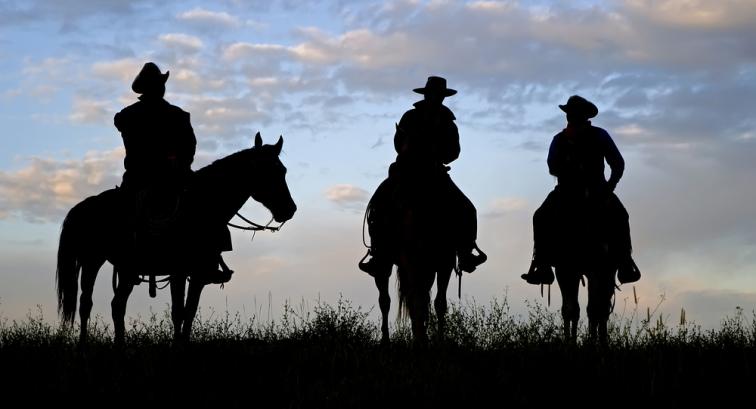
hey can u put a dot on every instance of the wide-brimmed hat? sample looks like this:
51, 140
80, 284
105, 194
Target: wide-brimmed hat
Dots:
436, 85
149, 78
578, 105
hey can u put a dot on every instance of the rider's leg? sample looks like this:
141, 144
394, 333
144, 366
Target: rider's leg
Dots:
380, 262
540, 271
620, 222
467, 233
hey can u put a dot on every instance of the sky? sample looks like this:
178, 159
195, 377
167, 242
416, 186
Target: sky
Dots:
674, 80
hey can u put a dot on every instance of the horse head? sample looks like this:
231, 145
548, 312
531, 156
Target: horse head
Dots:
269, 187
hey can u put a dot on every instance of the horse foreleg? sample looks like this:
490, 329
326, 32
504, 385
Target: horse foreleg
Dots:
190, 310
384, 301
118, 308
569, 284
88, 276
440, 303
178, 292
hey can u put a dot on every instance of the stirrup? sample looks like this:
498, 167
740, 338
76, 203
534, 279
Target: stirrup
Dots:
220, 276
469, 262
372, 267
539, 274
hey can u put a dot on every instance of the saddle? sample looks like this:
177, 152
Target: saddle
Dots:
161, 239
156, 223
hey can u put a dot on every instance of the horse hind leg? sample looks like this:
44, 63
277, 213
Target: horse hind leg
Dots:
178, 292
440, 303
88, 276
384, 301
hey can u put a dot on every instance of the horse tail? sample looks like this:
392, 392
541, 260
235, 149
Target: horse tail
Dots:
402, 284
69, 261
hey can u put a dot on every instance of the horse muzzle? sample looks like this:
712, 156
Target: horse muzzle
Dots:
285, 214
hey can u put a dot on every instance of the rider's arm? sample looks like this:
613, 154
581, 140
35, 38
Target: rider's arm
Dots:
613, 158
401, 137
553, 158
188, 146
119, 121
451, 147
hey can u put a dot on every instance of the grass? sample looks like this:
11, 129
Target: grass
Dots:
330, 357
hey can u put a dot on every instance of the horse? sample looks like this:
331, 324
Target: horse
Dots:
423, 253
88, 238
585, 246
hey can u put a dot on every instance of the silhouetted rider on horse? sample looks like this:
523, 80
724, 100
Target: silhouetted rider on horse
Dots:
426, 141
160, 147
576, 158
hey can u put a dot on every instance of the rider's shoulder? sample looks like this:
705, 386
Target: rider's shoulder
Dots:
176, 110
421, 105
136, 106
123, 116
600, 133
448, 112
559, 136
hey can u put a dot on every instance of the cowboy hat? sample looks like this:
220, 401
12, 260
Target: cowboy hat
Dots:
579, 106
436, 85
148, 78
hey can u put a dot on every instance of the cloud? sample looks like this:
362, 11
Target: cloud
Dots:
182, 42
89, 111
695, 13
209, 19
505, 205
226, 117
240, 50
46, 189
347, 196
72, 13
124, 69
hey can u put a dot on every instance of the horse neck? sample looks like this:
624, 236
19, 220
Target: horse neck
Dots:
222, 187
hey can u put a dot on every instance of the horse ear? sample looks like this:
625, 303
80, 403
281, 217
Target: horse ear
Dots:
258, 140
279, 145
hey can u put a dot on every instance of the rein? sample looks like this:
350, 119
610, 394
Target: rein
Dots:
255, 227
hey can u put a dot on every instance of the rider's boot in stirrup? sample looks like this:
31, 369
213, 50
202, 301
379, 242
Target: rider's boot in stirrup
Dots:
377, 266
469, 261
539, 273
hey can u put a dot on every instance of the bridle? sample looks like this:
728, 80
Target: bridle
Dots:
255, 227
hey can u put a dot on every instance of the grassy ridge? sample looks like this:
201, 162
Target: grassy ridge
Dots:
330, 357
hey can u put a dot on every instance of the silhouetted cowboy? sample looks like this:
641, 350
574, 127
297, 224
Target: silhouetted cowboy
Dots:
158, 137
426, 140
576, 158
160, 147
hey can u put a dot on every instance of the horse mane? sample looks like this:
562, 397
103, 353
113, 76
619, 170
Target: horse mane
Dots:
226, 166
